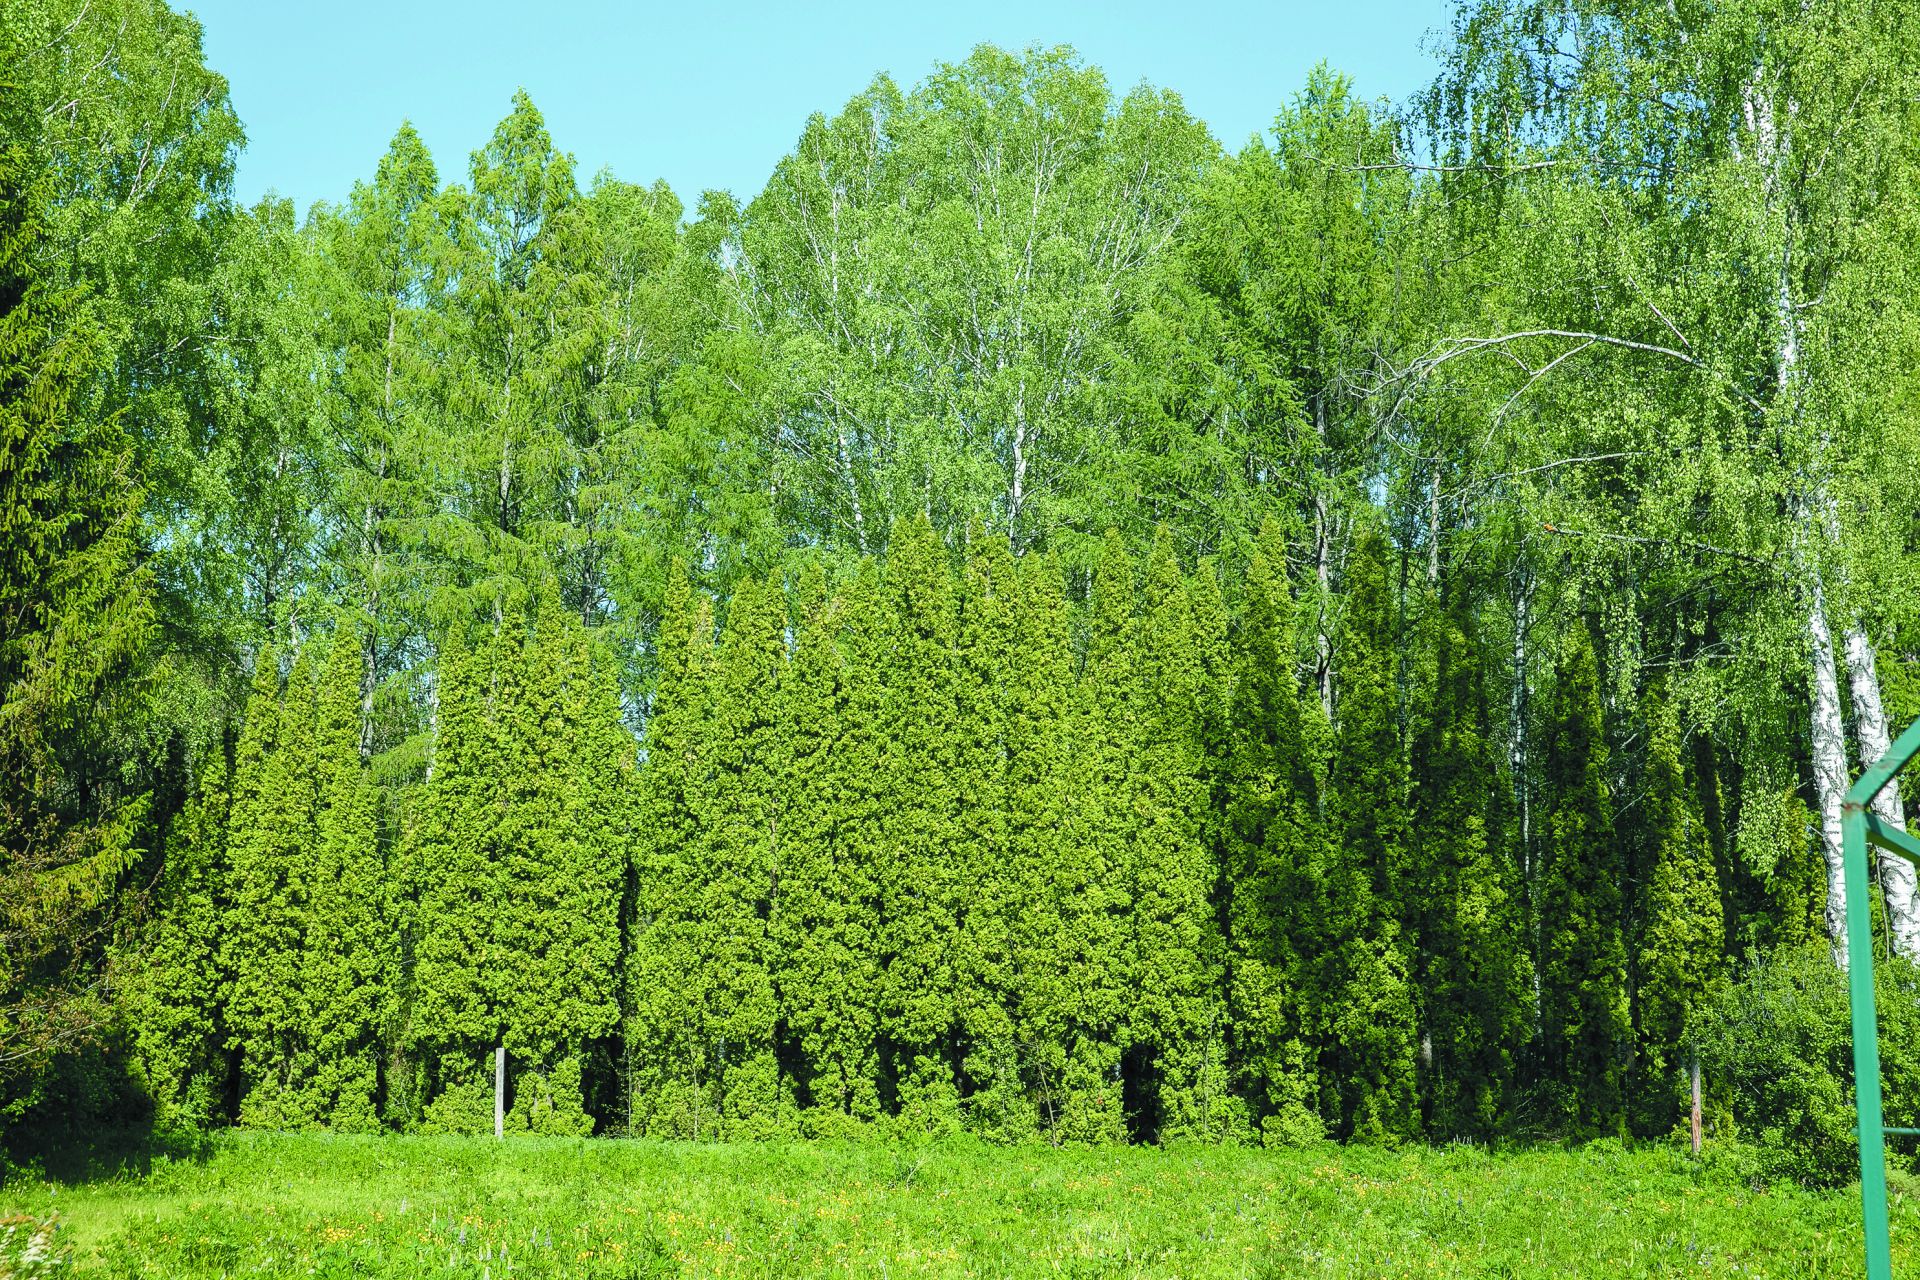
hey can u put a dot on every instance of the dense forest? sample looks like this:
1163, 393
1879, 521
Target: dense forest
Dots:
1038, 622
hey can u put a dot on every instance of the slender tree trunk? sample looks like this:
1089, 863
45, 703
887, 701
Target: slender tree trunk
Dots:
1322, 566
500, 1091
1433, 529
370, 534
1323, 573
1696, 1104
369, 643
1870, 728
1826, 726
1829, 763
853, 487
1518, 710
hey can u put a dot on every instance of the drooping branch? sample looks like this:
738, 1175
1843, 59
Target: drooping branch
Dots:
1685, 543
1450, 349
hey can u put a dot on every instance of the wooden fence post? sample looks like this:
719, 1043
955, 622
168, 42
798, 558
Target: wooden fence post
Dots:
1696, 1104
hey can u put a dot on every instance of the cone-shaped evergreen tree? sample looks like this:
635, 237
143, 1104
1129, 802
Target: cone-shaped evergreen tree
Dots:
992, 903
559, 924
76, 596
674, 1077
1098, 851
741, 859
814, 931
1682, 945
922, 887
348, 968
1211, 627
452, 878
1177, 1015
1041, 967
1471, 962
272, 845
1368, 1001
603, 823
173, 985
1584, 1028
1271, 857
860, 772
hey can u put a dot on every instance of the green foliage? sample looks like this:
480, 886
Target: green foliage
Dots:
174, 989
1680, 951
1584, 1030
672, 1086
1271, 851
515, 860
921, 877
76, 608
1472, 965
1363, 987
349, 965
737, 861
1029, 624
270, 847
1175, 951
1777, 1044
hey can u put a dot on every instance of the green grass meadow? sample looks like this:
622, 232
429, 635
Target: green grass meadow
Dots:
316, 1205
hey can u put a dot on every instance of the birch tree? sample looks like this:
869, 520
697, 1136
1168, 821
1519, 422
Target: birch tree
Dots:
1729, 168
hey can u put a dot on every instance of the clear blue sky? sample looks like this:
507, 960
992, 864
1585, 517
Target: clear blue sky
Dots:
713, 96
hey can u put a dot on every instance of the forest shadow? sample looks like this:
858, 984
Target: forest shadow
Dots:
90, 1119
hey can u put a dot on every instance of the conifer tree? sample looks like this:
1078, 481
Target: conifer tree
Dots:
1471, 962
76, 606
173, 985
1271, 854
807, 930
859, 772
992, 905
1681, 948
1211, 628
1176, 1017
602, 822
452, 879
562, 835
1097, 863
347, 969
1584, 1027
673, 1077
1366, 996
1039, 699
740, 856
271, 847
922, 885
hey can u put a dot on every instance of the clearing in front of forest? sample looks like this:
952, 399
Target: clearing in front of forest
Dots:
290, 1205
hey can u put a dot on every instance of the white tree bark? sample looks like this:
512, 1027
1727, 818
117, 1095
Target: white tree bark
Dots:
1829, 762
1813, 511
1870, 727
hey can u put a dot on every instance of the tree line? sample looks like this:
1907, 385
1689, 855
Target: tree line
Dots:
1034, 621
940, 845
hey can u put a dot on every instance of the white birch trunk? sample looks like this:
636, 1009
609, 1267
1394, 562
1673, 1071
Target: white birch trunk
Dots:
1827, 729
1870, 728
1829, 763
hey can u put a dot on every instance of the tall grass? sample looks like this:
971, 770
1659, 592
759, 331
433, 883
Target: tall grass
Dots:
316, 1205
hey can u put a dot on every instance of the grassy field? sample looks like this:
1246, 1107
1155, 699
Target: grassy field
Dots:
287, 1205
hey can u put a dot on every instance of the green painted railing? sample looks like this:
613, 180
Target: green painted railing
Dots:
1862, 828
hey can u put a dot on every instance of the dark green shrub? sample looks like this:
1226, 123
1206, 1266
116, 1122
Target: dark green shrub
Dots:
1777, 1046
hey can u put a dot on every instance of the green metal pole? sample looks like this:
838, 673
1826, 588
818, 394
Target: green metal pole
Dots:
1866, 1046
